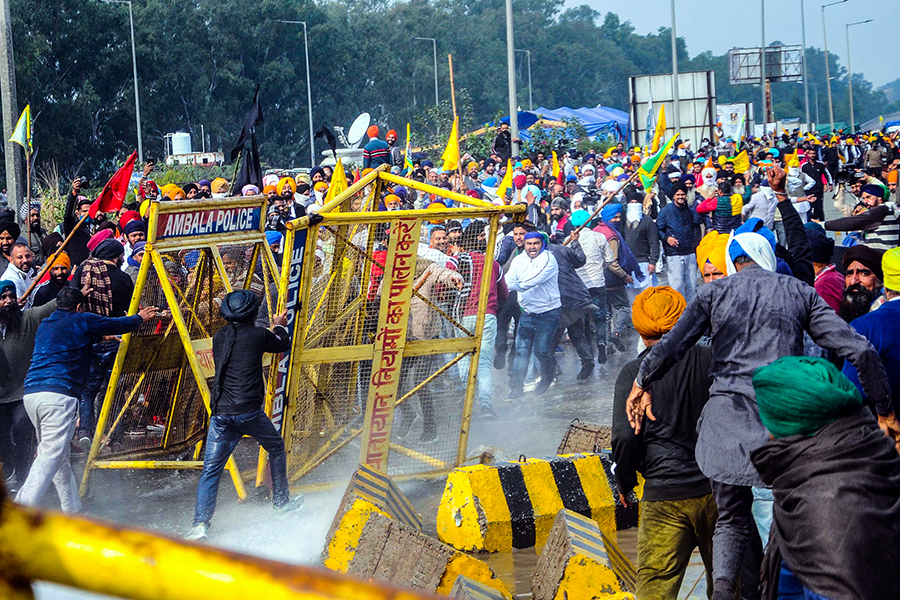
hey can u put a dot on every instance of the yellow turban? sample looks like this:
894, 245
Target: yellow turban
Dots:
890, 264
164, 190
656, 310
174, 192
712, 249
219, 185
286, 181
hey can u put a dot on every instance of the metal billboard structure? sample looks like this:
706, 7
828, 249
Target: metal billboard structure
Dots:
783, 64
696, 104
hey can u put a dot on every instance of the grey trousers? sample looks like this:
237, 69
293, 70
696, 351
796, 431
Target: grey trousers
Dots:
53, 416
737, 548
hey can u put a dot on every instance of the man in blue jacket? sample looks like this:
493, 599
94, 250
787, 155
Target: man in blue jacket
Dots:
59, 368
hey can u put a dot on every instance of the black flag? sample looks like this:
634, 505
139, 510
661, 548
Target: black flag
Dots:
250, 171
254, 118
326, 134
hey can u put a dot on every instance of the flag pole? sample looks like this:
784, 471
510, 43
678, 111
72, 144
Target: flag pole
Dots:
237, 165
453, 103
28, 196
49, 264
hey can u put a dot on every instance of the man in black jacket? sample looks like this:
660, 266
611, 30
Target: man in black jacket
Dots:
576, 303
642, 237
237, 404
678, 512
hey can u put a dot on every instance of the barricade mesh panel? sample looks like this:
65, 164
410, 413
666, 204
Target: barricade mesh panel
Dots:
342, 305
157, 410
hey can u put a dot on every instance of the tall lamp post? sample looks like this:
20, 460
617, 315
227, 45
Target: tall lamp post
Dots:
434, 47
803, 56
676, 113
137, 101
530, 99
850, 72
312, 144
827, 72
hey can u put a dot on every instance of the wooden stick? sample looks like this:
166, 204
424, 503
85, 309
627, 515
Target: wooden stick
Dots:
49, 264
600, 207
459, 166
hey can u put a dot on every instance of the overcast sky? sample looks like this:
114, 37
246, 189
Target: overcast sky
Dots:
733, 23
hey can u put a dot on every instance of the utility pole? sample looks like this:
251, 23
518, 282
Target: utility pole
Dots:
8, 101
762, 68
511, 76
675, 104
850, 73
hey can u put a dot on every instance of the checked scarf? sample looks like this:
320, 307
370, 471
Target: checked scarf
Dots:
95, 274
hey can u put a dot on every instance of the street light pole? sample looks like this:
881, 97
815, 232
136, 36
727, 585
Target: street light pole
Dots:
511, 76
850, 72
312, 144
816, 90
137, 100
803, 56
530, 99
827, 70
434, 45
762, 66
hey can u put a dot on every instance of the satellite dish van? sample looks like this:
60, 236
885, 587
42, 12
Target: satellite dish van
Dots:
358, 130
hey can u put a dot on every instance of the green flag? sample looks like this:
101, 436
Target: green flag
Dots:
651, 166
22, 133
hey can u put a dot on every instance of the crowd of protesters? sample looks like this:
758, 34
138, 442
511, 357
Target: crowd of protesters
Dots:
770, 345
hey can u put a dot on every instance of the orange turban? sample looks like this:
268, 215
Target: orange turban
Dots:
656, 310
63, 259
892, 176
219, 185
712, 249
270, 188
372, 131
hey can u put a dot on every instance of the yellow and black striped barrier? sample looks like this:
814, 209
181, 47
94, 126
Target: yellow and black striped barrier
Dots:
368, 492
513, 505
469, 589
580, 562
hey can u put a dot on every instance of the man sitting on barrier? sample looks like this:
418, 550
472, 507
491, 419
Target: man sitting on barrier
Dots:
236, 404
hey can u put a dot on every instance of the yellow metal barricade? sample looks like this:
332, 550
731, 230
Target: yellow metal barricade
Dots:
384, 357
155, 411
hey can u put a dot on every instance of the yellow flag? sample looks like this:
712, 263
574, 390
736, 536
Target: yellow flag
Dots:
338, 183
450, 157
555, 165
506, 183
741, 162
22, 134
660, 129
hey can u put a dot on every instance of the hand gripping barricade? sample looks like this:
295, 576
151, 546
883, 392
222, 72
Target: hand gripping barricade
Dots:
381, 329
156, 408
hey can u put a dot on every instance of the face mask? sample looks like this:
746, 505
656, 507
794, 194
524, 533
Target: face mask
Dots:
319, 196
633, 211
794, 171
222, 195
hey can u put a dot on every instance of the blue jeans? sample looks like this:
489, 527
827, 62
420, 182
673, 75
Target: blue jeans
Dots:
485, 379
683, 274
535, 334
225, 431
103, 355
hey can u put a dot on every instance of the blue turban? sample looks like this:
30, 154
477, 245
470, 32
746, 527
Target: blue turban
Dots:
875, 190
579, 217
609, 211
534, 235
135, 225
571, 178
6, 283
273, 237
135, 250
755, 225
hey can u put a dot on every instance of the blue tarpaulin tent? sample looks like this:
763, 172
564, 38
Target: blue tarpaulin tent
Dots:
602, 121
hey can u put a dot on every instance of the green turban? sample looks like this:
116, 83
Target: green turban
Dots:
799, 395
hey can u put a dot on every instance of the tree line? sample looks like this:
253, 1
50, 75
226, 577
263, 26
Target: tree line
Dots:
200, 60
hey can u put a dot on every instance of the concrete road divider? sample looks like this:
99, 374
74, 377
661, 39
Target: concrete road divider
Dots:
579, 562
368, 492
391, 552
496, 508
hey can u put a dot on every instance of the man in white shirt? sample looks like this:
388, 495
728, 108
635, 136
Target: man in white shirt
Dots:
599, 256
21, 268
534, 275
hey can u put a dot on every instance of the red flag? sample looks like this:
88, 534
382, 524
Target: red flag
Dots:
356, 175
113, 195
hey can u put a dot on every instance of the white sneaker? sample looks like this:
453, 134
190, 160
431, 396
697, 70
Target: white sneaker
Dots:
293, 505
197, 533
